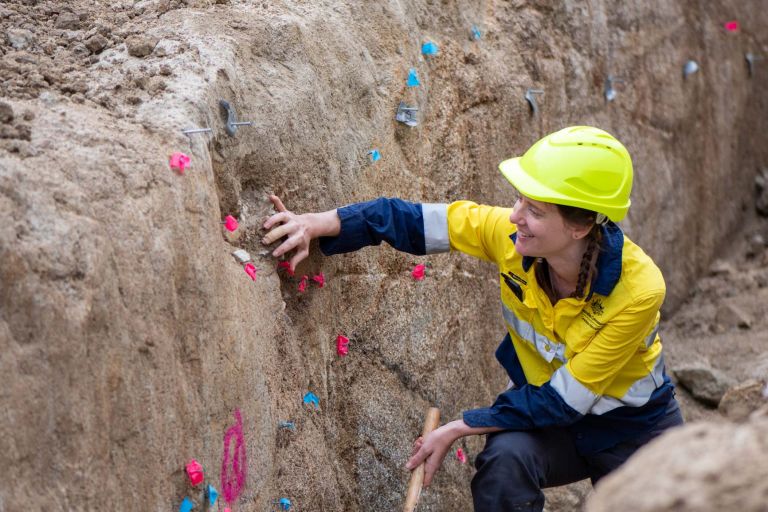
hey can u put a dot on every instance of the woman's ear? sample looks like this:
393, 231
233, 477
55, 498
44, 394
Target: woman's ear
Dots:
580, 231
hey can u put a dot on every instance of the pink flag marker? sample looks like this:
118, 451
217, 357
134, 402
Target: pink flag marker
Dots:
303, 284
731, 26
319, 279
179, 162
342, 345
230, 223
286, 265
250, 269
418, 272
194, 472
461, 456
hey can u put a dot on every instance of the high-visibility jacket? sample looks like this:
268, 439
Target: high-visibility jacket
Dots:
594, 364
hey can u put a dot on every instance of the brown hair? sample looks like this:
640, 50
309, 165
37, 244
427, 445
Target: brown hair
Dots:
588, 268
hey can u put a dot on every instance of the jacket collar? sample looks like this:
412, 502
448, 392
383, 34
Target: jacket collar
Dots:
608, 261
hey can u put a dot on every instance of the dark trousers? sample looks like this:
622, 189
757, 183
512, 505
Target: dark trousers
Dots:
515, 466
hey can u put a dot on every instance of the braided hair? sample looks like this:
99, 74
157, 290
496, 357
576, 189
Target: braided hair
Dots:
588, 267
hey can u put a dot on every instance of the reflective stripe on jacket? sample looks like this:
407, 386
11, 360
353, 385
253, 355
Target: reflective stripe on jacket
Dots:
594, 364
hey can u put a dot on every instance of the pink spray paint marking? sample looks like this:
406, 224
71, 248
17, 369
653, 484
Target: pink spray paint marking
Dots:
179, 162
342, 345
461, 456
194, 472
731, 26
418, 272
233, 472
250, 270
319, 279
303, 284
230, 223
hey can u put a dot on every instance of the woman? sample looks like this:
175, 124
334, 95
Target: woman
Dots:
580, 300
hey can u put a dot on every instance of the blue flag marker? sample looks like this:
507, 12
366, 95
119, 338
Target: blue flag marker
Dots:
476, 34
186, 505
375, 155
413, 78
311, 398
285, 504
212, 495
429, 48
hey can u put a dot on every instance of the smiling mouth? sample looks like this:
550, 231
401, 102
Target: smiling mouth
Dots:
524, 236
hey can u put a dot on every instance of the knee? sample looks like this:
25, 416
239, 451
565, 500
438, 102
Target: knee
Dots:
509, 450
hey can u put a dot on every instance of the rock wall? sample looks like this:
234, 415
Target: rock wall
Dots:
129, 336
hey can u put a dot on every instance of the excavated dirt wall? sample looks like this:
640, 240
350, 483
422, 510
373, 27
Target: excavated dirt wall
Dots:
129, 337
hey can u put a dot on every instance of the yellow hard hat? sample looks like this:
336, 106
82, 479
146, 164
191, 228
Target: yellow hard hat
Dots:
578, 166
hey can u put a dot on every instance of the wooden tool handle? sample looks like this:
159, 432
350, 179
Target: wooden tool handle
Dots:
417, 475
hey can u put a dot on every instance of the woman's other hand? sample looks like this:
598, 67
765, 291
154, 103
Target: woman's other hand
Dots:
432, 450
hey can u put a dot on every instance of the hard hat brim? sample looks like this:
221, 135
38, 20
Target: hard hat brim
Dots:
533, 189
525, 184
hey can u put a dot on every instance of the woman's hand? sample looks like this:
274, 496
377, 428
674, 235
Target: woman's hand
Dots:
299, 230
433, 449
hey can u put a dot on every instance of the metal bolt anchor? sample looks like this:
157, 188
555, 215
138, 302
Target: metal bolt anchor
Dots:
231, 122
690, 68
406, 114
190, 131
531, 99
609, 91
751, 58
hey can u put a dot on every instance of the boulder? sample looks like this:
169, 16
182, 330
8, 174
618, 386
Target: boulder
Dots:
702, 467
706, 384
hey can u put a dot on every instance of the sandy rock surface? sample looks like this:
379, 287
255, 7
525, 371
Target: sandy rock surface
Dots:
703, 467
130, 336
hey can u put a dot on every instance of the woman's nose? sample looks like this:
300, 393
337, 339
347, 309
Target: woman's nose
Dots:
515, 216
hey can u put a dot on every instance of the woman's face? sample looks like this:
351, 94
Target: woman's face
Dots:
542, 232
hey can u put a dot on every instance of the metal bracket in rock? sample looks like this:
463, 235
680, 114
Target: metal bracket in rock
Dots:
406, 114
609, 91
751, 58
231, 118
531, 99
690, 68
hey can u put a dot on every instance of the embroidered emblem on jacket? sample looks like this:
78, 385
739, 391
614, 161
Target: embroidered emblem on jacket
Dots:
597, 307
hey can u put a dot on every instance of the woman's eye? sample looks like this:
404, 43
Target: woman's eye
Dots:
535, 213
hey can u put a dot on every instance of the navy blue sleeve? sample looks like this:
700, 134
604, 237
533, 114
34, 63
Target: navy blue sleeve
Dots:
507, 357
525, 408
397, 222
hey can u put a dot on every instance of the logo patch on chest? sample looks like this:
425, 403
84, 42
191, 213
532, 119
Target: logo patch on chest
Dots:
597, 307
591, 320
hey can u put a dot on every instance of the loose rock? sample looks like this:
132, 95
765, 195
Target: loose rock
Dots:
140, 46
721, 268
68, 21
19, 38
6, 112
742, 400
96, 43
731, 315
706, 384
